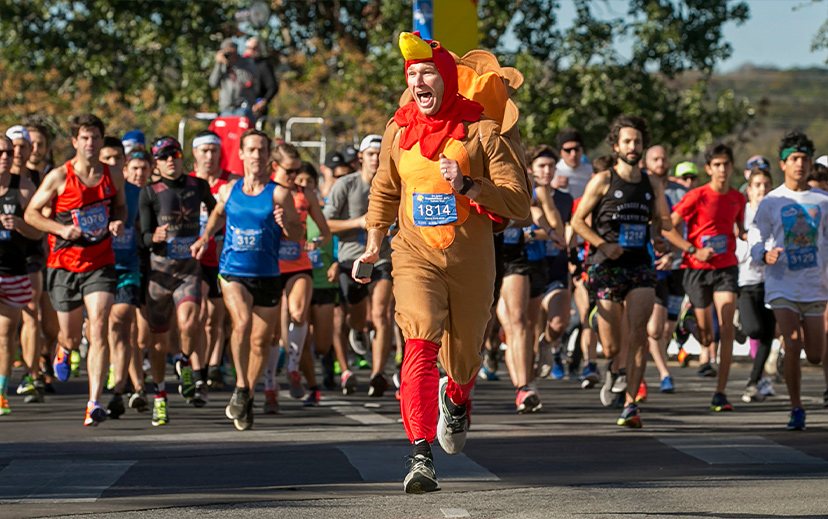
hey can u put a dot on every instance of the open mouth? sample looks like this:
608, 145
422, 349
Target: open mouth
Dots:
425, 99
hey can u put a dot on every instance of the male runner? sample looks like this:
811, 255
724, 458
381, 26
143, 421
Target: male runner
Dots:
41, 148
169, 210
624, 205
255, 213
207, 155
710, 213
15, 289
794, 219
87, 205
573, 173
445, 173
345, 210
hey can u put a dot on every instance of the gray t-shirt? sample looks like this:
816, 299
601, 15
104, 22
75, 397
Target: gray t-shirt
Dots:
348, 199
675, 192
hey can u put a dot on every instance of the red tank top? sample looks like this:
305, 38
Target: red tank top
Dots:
88, 207
209, 259
287, 248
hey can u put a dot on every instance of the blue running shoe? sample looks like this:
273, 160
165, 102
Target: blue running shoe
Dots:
62, 364
590, 375
558, 371
797, 421
485, 374
667, 385
630, 417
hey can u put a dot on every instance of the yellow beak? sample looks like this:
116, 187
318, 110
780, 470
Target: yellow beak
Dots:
414, 47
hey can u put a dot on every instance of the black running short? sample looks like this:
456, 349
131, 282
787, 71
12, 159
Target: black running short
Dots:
266, 291
670, 293
325, 296
67, 289
356, 292
701, 283
210, 276
537, 278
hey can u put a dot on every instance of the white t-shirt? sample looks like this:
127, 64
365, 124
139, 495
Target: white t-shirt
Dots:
578, 177
797, 221
750, 272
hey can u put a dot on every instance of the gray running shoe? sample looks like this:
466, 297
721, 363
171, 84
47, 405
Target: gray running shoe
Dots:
359, 342
451, 429
245, 421
238, 403
606, 394
421, 477
619, 385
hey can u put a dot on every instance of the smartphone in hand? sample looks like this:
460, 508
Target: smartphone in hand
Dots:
363, 270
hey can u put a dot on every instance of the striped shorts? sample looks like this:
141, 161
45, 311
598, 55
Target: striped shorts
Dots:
15, 291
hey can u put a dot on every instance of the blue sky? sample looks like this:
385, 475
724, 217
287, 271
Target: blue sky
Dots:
776, 34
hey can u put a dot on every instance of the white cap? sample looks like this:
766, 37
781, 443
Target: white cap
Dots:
370, 141
19, 132
823, 160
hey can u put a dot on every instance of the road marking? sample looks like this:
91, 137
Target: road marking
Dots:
738, 450
383, 463
60, 481
455, 512
358, 412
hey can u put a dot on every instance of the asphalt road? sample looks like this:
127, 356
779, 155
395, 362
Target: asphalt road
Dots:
346, 458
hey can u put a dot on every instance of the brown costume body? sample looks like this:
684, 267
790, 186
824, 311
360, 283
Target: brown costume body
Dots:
444, 278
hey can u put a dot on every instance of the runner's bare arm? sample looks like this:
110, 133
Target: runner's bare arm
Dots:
289, 221
216, 221
551, 213
315, 212
27, 190
51, 187
595, 190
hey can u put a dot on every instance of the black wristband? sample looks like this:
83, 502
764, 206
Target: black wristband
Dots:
467, 184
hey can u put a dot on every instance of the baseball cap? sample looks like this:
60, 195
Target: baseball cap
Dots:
334, 159
164, 147
133, 138
349, 153
19, 132
370, 141
686, 168
757, 161
822, 160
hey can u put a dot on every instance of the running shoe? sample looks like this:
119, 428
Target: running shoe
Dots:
630, 417
359, 342
752, 394
110, 380
797, 421
590, 376
115, 408
337, 368
74, 363
4, 405
558, 370
26, 386
766, 387
706, 370
667, 385
619, 385
46, 368
138, 401
720, 403
451, 428
245, 421
683, 357
348, 382
421, 477
271, 405
490, 360
485, 374
641, 396
159, 412
606, 395
527, 401
312, 400
378, 385
545, 357
215, 379
95, 414
62, 364
361, 362
396, 378
186, 386
200, 397
398, 360
238, 403
297, 391
39, 395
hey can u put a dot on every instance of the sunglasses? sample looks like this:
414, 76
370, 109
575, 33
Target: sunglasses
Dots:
294, 171
176, 154
757, 163
6, 152
689, 177
572, 149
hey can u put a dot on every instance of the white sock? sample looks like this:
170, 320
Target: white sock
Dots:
296, 341
270, 370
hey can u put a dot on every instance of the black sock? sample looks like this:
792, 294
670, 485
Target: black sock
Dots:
196, 376
204, 373
422, 447
454, 409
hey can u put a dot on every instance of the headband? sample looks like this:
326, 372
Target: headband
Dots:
796, 149
206, 139
142, 155
547, 155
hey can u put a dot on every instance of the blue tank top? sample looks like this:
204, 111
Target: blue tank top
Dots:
251, 238
125, 246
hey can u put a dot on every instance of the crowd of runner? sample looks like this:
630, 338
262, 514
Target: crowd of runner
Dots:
225, 279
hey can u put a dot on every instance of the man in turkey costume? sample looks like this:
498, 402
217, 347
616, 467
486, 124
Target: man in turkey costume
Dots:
452, 172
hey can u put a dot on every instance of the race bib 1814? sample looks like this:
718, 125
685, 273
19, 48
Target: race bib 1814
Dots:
433, 209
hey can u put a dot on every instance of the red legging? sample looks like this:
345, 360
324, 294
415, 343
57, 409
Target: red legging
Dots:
420, 384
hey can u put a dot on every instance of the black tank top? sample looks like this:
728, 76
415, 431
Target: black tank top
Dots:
12, 243
623, 216
178, 203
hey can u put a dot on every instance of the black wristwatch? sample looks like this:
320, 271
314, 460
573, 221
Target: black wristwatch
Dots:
467, 184
691, 250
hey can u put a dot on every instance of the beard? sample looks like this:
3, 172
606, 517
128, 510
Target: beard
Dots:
631, 159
